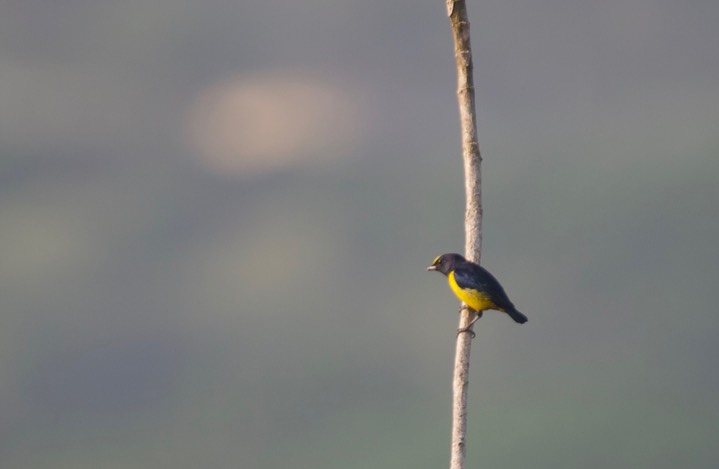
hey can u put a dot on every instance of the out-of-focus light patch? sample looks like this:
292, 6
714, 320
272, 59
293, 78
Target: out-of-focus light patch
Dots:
261, 123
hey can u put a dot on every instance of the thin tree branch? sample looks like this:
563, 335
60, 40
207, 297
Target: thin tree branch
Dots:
457, 12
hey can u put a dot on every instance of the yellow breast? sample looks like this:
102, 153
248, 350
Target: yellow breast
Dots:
475, 299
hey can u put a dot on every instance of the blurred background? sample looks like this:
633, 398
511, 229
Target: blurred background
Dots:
215, 219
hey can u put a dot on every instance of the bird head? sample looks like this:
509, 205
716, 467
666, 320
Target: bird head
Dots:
446, 263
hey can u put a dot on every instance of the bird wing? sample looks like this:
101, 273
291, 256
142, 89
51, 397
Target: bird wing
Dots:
475, 277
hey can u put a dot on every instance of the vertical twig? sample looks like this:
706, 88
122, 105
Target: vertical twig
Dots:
457, 12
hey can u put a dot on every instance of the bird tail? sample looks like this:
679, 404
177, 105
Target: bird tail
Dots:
516, 315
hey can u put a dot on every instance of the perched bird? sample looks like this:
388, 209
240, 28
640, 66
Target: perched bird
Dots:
475, 286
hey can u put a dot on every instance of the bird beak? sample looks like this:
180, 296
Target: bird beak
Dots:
432, 267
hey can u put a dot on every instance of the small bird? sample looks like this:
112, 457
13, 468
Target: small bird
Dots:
475, 286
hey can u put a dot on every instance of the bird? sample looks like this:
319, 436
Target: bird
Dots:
475, 286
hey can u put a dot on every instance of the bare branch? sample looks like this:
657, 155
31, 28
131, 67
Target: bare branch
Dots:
457, 12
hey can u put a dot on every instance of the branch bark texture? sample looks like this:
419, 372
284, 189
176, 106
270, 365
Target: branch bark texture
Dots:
457, 12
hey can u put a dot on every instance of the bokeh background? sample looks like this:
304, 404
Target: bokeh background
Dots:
215, 218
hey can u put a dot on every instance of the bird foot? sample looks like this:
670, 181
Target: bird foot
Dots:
469, 326
472, 334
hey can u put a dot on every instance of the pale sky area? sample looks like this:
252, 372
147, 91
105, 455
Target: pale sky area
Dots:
215, 219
